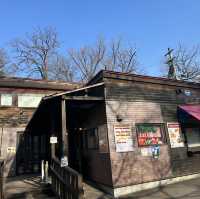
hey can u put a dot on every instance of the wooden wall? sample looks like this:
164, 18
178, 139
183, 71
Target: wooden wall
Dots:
12, 120
139, 102
97, 162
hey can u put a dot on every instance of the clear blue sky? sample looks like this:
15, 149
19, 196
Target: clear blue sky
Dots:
152, 25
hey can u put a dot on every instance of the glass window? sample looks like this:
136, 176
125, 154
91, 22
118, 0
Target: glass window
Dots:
6, 99
149, 134
193, 137
29, 100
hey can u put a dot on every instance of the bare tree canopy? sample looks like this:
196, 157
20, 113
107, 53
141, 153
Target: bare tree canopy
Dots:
34, 53
61, 69
37, 54
88, 60
3, 61
121, 58
187, 63
112, 56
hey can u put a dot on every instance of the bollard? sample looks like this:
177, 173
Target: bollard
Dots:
42, 170
46, 167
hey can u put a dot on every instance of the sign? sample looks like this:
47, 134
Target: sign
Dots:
175, 135
146, 151
53, 140
64, 161
155, 151
123, 138
11, 150
149, 135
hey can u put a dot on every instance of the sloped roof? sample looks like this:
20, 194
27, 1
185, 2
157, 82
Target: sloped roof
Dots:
15, 82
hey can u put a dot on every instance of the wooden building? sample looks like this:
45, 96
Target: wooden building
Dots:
124, 132
19, 97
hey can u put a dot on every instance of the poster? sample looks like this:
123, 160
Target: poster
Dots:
147, 151
123, 138
149, 135
175, 135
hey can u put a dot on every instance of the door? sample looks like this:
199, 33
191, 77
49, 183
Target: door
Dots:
30, 152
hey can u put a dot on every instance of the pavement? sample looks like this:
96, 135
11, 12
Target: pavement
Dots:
27, 187
184, 190
31, 187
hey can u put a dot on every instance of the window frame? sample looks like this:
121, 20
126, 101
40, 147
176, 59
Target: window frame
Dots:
162, 128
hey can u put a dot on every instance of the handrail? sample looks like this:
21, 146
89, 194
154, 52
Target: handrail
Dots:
66, 182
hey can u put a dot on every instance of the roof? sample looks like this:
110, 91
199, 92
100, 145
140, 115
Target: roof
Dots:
15, 82
105, 74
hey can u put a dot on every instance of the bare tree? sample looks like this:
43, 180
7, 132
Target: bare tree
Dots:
34, 52
88, 59
112, 56
61, 69
3, 61
187, 63
120, 58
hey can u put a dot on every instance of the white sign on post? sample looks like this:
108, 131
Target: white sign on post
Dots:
175, 135
53, 140
64, 161
123, 138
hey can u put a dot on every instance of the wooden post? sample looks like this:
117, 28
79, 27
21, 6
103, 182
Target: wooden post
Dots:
64, 129
53, 151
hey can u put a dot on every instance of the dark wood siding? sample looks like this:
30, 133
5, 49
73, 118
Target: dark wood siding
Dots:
144, 102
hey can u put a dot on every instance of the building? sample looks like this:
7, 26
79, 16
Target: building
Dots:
124, 132
19, 97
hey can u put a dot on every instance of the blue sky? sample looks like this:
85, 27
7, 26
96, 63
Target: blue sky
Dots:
151, 25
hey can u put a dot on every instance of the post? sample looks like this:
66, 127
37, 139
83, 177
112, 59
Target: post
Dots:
64, 129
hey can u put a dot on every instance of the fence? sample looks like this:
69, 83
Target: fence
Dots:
66, 182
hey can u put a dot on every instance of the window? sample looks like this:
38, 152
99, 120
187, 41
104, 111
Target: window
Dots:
29, 100
6, 99
193, 137
92, 139
149, 134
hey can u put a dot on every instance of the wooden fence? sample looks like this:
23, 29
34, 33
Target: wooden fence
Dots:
66, 182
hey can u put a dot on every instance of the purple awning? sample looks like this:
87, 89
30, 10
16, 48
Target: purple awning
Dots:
193, 110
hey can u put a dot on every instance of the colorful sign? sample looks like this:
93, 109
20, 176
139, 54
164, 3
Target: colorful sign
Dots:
123, 138
175, 135
149, 135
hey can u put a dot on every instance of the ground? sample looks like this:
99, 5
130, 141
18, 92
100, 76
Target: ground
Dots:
30, 187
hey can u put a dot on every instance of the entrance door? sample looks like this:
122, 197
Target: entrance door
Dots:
28, 155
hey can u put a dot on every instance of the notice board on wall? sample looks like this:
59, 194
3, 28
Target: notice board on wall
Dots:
123, 138
175, 135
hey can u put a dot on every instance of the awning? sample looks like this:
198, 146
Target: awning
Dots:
192, 110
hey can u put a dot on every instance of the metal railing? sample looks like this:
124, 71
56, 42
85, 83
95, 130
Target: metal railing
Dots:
66, 182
